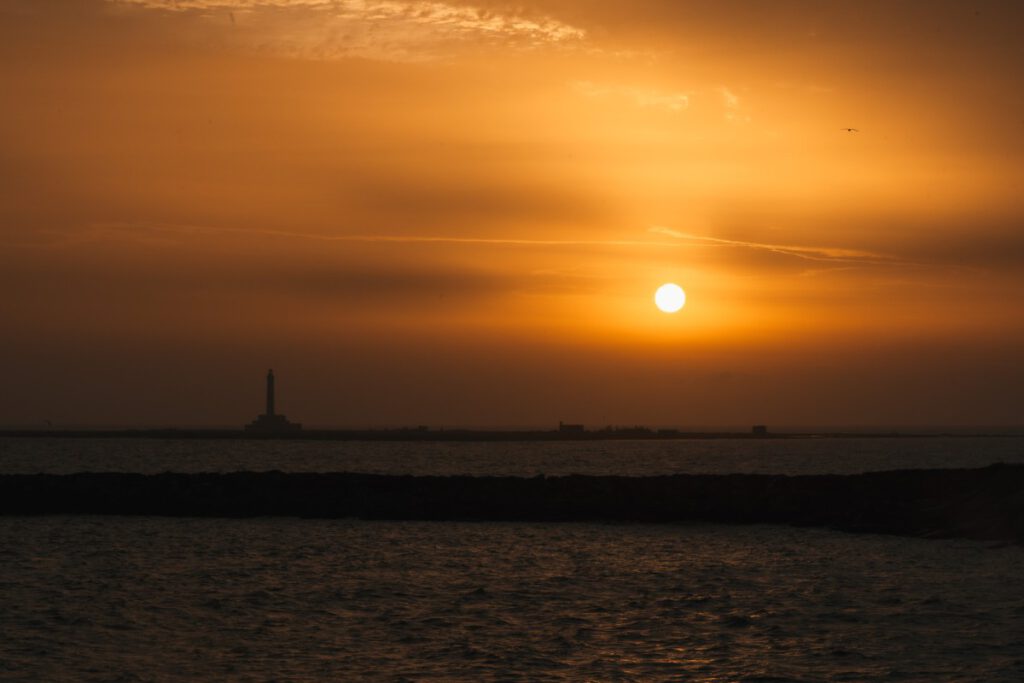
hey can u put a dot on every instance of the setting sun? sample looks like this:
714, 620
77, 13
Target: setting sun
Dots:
670, 298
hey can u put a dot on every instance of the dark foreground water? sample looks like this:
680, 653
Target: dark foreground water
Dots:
139, 599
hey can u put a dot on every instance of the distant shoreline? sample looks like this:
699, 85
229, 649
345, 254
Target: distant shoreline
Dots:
422, 434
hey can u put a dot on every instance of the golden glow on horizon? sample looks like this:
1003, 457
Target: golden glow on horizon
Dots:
670, 297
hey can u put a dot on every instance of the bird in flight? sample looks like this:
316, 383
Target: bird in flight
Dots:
851, 130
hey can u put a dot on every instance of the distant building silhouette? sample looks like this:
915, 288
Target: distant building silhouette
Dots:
759, 430
270, 422
563, 427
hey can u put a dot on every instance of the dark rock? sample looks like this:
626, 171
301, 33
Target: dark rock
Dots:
986, 503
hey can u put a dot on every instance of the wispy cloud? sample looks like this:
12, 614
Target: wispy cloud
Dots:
160, 234
144, 231
808, 253
642, 97
731, 103
382, 29
722, 98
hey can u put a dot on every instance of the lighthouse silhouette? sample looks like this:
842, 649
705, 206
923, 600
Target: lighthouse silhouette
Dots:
270, 422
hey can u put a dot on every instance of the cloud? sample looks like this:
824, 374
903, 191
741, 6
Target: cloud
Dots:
155, 233
726, 101
646, 98
143, 231
731, 102
730, 98
391, 30
133, 268
808, 253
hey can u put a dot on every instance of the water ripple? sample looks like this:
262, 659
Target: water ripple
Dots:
101, 599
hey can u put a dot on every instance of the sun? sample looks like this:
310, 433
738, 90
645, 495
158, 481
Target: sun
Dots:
670, 297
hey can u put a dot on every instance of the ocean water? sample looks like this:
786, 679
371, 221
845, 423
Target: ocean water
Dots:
526, 459
277, 599
150, 599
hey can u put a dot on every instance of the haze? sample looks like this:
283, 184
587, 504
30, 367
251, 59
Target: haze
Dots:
448, 213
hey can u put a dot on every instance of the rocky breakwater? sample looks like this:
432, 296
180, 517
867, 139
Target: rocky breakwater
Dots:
985, 503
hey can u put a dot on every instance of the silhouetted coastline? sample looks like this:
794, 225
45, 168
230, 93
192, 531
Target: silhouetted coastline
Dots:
424, 434
985, 503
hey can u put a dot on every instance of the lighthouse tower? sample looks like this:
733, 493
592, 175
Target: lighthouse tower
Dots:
270, 422
270, 393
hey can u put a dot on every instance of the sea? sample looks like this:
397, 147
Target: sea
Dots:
108, 598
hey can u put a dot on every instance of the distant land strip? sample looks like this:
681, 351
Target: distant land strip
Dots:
985, 503
425, 434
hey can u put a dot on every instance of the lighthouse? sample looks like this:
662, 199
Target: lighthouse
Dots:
270, 422
270, 393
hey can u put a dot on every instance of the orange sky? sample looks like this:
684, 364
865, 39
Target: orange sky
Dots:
448, 213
